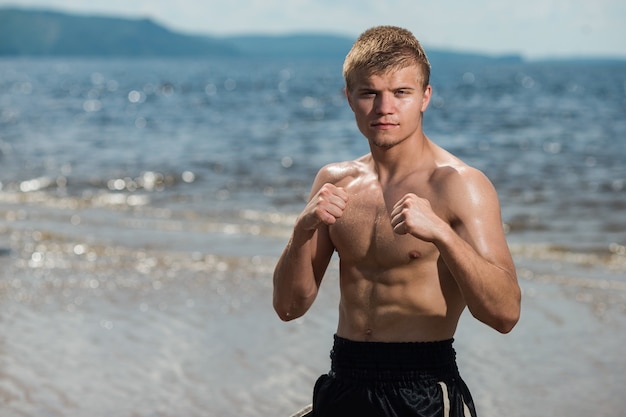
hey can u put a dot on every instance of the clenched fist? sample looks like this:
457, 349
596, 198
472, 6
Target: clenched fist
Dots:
325, 207
415, 216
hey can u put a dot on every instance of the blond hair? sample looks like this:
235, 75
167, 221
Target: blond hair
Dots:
384, 48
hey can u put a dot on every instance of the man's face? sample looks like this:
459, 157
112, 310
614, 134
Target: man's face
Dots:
388, 107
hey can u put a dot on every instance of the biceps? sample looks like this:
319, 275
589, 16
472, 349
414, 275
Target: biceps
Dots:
482, 228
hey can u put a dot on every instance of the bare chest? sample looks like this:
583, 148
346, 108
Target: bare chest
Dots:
364, 236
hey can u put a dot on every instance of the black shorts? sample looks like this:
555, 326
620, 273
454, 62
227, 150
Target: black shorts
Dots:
372, 379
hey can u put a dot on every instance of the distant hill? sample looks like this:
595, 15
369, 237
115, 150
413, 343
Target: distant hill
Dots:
29, 32
296, 45
25, 32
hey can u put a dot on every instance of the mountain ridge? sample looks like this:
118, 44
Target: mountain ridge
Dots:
42, 32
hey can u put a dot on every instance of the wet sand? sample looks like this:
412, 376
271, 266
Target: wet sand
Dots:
100, 330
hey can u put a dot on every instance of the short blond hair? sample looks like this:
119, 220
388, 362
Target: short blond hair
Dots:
384, 48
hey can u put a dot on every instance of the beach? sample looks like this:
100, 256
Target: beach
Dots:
91, 329
144, 204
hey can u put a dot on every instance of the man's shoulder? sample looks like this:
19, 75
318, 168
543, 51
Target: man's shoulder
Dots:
455, 178
338, 171
464, 188
456, 170
452, 171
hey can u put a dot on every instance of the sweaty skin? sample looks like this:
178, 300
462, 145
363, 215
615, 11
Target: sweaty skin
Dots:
418, 232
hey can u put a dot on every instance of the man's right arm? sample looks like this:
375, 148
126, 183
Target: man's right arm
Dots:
302, 265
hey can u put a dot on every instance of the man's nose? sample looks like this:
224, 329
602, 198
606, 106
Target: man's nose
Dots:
384, 103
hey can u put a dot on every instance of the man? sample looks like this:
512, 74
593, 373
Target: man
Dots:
419, 237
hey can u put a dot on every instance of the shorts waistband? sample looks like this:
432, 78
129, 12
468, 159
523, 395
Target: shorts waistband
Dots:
366, 360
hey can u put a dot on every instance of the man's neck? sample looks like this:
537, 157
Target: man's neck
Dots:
397, 162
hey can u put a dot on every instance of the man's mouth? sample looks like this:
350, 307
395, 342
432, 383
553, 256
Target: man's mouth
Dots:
384, 125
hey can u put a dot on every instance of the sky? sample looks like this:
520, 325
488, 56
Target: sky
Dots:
533, 28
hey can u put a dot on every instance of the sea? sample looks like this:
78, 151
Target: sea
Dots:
144, 202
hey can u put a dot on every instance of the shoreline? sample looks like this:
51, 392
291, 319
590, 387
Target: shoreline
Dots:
190, 335
91, 326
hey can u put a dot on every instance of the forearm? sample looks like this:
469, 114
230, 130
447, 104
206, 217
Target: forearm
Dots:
490, 290
295, 284
303, 263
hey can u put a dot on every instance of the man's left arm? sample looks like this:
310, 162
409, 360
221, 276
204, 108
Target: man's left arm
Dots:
473, 246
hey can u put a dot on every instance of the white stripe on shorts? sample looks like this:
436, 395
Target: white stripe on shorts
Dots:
446, 399
446, 402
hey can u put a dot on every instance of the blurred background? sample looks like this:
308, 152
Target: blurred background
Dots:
154, 155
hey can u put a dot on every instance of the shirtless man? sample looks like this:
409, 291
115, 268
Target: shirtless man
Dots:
419, 237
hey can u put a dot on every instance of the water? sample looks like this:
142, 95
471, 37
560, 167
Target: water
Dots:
224, 136
143, 204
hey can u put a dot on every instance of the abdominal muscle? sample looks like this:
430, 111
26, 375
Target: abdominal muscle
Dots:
402, 305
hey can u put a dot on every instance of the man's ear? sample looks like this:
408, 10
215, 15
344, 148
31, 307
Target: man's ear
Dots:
428, 92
